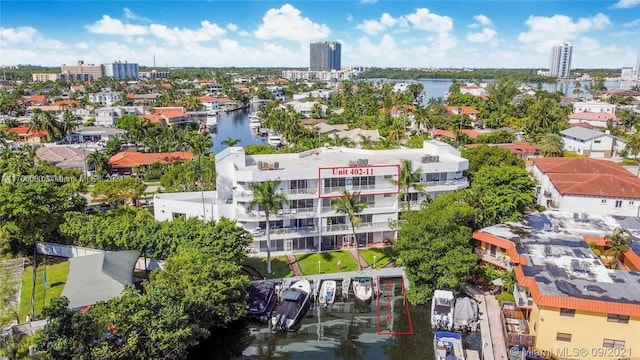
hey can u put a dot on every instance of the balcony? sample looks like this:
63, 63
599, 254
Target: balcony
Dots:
288, 232
523, 300
447, 185
364, 227
497, 259
516, 326
247, 194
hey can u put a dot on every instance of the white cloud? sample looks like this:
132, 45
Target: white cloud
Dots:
232, 27
110, 26
174, 36
481, 21
486, 35
82, 45
625, 4
545, 32
633, 23
27, 36
373, 27
286, 23
17, 35
130, 15
423, 19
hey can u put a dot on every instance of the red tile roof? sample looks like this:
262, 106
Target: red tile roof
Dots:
40, 99
521, 147
450, 134
206, 99
66, 103
26, 132
467, 110
129, 159
593, 116
582, 125
590, 177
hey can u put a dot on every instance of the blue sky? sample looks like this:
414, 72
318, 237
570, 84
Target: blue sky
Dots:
445, 33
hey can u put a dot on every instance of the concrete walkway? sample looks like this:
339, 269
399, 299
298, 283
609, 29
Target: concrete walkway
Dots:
293, 265
485, 331
497, 330
356, 256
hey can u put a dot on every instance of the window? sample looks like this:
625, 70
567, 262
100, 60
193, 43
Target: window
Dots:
621, 319
630, 203
618, 203
387, 195
563, 337
610, 343
603, 201
567, 312
597, 141
178, 215
366, 219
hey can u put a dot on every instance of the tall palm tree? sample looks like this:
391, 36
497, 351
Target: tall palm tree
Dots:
618, 242
69, 123
99, 161
409, 178
266, 197
551, 145
421, 118
231, 141
36, 120
199, 142
50, 124
633, 144
351, 205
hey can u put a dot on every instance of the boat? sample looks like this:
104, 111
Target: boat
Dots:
448, 346
327, 292
262, 299
363, 288
254, 121
274, 139
465, 315
212, 120
293, 307
442, 309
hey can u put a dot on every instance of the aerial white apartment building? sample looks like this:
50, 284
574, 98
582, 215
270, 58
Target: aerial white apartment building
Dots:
560, 65
311, 181
106, 97
594, 106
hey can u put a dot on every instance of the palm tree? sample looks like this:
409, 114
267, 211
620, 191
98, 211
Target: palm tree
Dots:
633, 144
265, 196
36, 120
231, 141
50, 124
409, 178
351, 205
99, 161
617, 243
199, 142
69, 123
551, 145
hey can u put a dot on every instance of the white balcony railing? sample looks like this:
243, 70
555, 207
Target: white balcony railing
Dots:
521, 297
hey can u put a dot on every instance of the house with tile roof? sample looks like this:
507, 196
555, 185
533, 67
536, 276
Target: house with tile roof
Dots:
38, 100
592, 143
168, 116
125, 161
522, 149
565, 295
585, 185
27, 134
597, 119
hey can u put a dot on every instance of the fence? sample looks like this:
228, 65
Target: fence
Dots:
69, 251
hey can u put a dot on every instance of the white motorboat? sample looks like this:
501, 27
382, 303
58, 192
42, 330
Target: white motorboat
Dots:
327, 292
442, 310
212, 120
448, 346
274, 139
294, 305
363, 288
254, 121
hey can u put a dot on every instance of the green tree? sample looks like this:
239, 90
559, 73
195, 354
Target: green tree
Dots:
69, 123
351, 205
485, 155
266, 198
8, 296
99, 162
633, 144
199, 142
119, 191
112, 146
551, 145
617, 243
196, 175
231, 141
409, 178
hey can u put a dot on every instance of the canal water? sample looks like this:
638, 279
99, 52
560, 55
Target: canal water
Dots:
388, 328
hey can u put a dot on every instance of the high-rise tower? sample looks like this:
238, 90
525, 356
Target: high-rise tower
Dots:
560, 66
325, 56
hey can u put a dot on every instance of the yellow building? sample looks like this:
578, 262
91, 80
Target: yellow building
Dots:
571, 305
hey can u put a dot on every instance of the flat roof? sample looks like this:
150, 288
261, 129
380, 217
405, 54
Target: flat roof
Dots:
560, 260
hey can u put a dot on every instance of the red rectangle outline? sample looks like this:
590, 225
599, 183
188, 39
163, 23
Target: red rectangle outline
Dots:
406, 304
320, 196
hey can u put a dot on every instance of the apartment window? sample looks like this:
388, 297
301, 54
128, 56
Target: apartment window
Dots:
615, 344
621, 319
603, 201
563, 337
630, 203
597, 141
366, 219
618, 203
368, 199
387, 195
178, 215
568, 312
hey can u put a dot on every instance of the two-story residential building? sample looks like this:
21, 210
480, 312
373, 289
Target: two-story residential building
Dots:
585, 185
595, 119
209, 103
168, 116
311, 181
105, 97
107, 116
571, 302
474, 90
594, 106
304, 107
590, 142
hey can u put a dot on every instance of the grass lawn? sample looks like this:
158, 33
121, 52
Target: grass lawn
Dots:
383, 256
328, 262
279, 266
57, 271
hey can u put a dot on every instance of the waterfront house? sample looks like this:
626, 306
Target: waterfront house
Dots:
125, 162
596, 119
592, 143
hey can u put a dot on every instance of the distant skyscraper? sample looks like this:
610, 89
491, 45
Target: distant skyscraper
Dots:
121, 70
560, 66
637, 68
325, 56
